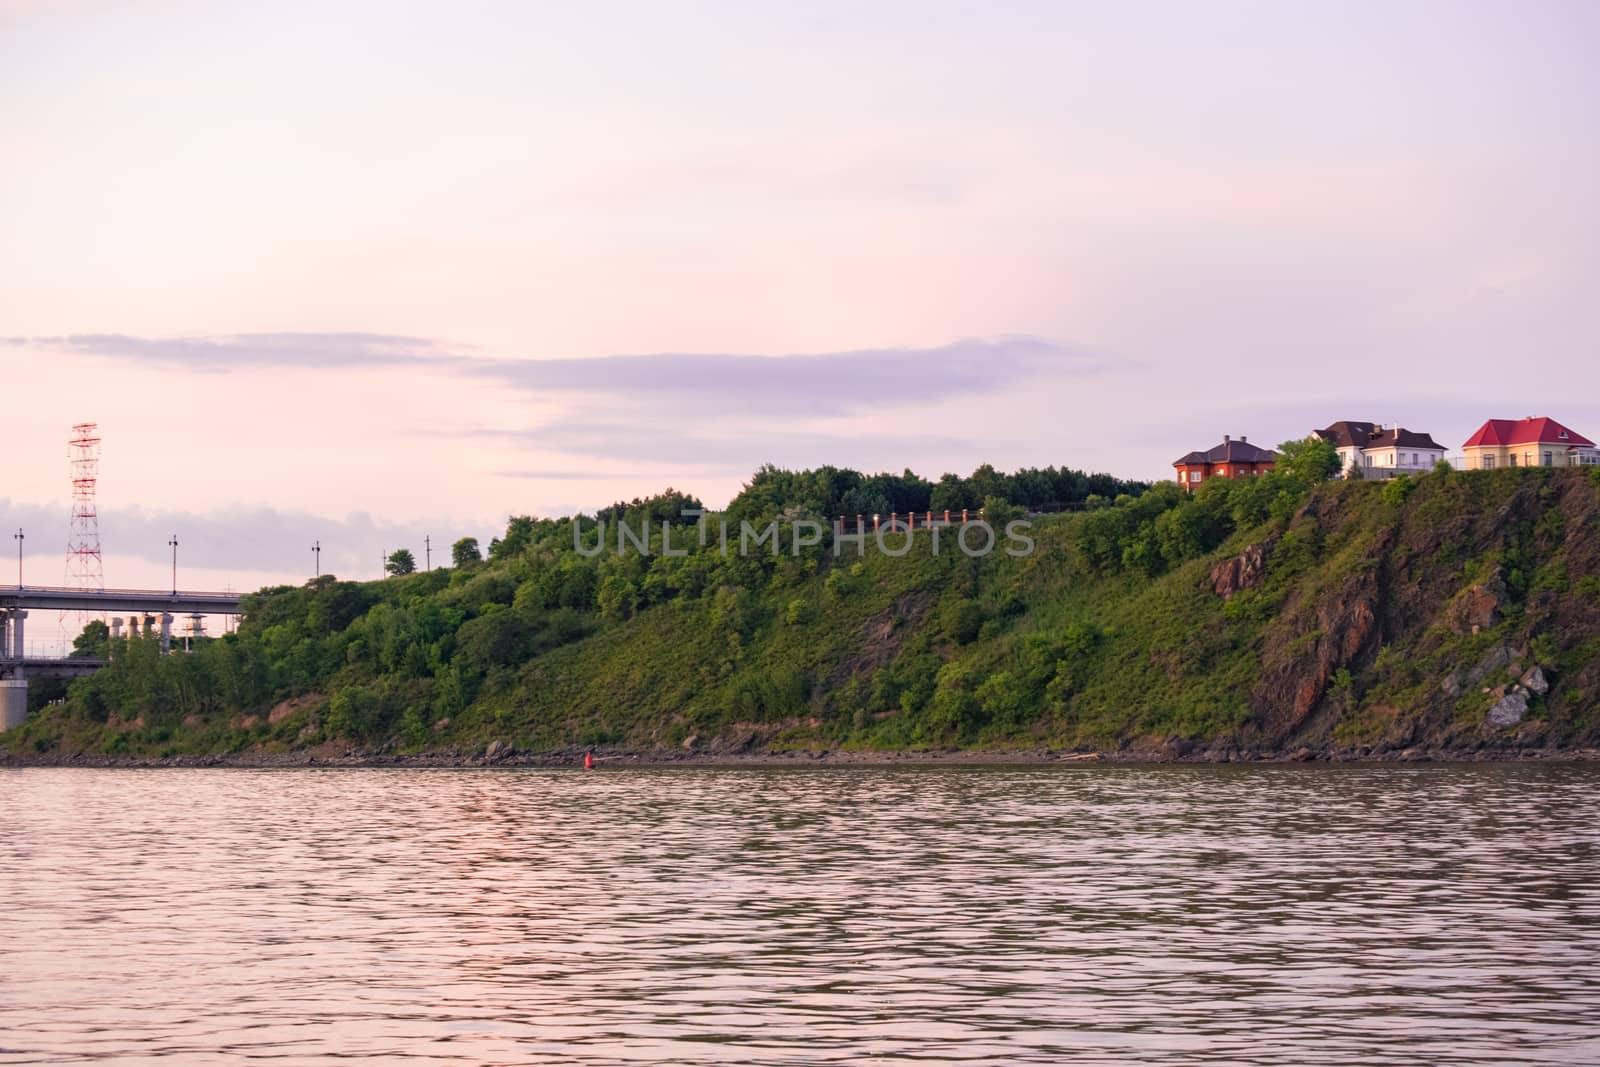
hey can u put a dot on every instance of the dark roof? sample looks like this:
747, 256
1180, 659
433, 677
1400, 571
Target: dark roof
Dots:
1230, 451
1348, 434
1403, 439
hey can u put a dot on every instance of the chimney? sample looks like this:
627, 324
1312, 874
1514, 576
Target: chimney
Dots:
1226, 438
1243, 440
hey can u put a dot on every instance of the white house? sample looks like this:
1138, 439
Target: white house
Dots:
1379, 451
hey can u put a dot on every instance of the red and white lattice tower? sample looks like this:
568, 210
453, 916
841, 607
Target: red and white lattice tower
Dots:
85, 569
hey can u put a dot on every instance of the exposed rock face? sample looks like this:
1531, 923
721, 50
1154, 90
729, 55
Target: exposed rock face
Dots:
1508, 711
1478, 608
1535, 682
1244, 571
1344, 625
1459, 682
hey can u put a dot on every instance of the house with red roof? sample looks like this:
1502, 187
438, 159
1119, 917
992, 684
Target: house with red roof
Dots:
1230, 459
1529, 442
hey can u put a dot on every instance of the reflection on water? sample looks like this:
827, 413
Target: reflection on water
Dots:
983, 916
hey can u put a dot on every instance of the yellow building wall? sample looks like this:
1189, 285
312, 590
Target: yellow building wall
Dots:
1526, 455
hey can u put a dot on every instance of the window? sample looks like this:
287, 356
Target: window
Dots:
1549, 459
1369, 461
1488, 463
1513, 458
1415, 462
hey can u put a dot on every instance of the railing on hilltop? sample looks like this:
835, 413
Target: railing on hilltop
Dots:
918, 520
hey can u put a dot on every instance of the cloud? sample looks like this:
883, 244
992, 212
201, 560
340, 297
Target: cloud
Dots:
803, 384
687, 451
828, 383
566, 476
220, 352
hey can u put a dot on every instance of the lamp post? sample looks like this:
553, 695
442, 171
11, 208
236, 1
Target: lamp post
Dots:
316, 552
17, 537
427, 550
174, 543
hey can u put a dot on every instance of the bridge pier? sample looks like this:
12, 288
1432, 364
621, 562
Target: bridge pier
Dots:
13, 703
13, 690
116, 628
18, 649
166, 632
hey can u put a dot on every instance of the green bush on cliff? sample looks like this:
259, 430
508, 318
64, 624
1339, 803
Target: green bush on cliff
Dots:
1120, 625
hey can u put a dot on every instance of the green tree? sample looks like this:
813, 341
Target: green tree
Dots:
93, 643
519, 535
401, 561
464, 553
1311, 459
997, 511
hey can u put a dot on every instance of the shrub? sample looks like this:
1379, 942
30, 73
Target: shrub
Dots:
1396, 490
961, 619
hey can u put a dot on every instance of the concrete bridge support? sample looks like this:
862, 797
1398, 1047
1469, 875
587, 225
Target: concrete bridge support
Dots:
13, 703
116, 628
166, 632
18, 649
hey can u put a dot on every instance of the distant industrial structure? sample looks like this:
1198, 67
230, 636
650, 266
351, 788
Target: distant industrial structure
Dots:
84, 596
85, 567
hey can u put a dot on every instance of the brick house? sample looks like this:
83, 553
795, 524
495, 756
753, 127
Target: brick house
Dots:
1230, 459
1528, 442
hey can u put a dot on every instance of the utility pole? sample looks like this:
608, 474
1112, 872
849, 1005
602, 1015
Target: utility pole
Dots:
174, 543
316, 552
18, 538
383, 564
427, 550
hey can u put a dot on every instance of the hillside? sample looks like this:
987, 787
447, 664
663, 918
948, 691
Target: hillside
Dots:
1454, 613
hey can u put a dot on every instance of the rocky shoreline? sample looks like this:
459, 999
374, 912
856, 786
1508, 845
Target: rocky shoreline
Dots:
500, 754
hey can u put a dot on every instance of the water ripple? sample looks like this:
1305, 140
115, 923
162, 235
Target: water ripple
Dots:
1110, 915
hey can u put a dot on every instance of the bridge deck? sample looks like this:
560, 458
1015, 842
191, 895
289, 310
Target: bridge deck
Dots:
178, 602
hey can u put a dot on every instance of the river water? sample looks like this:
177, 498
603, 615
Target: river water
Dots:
1174, 915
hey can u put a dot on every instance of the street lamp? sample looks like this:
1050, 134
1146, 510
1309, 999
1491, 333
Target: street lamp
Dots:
17, 537
316, 551
174, 544
427, 548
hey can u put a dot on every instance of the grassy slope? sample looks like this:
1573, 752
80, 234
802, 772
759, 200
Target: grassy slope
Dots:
1345, 638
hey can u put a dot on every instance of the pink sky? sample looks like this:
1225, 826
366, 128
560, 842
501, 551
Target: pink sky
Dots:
918, 235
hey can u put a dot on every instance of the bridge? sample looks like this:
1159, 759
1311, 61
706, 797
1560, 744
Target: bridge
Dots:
145, 609
105, 601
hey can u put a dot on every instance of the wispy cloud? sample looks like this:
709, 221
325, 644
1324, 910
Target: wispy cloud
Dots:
828, 383
224, 351
819, 384
681, 449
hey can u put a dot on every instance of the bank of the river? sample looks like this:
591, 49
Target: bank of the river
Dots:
502, 755
1453, 616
